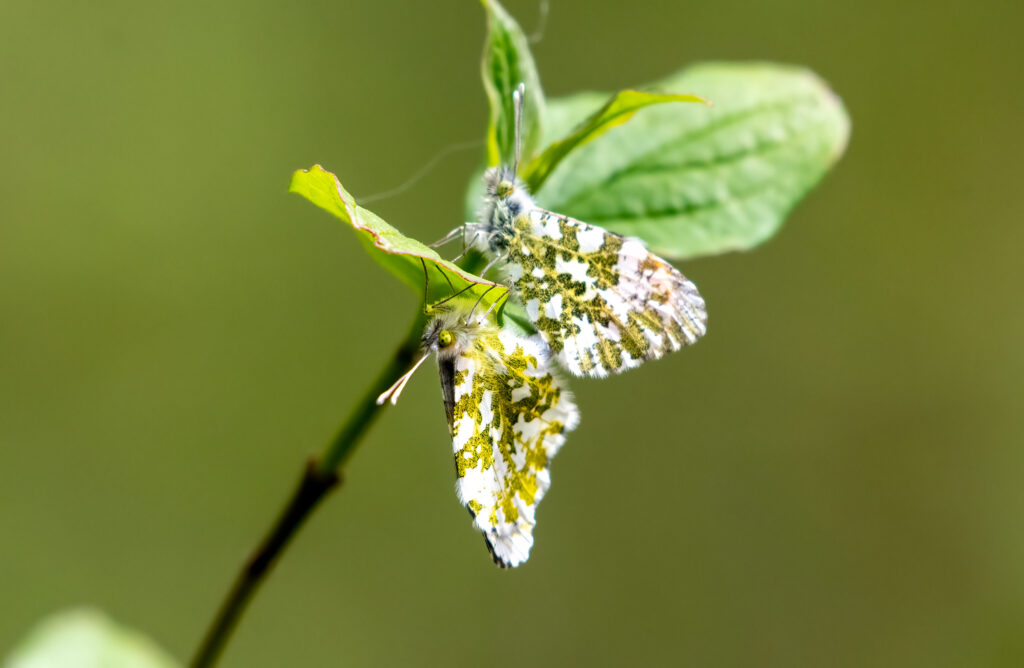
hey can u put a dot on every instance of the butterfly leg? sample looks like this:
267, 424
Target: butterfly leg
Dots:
426, 283
489, 265
480, 299
445, 276
454, 295
459, 231
496, 302
477, 230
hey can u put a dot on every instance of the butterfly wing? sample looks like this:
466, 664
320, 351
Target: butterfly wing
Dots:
602, 301
509, 418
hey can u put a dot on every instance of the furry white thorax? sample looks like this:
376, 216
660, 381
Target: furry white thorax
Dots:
505, 198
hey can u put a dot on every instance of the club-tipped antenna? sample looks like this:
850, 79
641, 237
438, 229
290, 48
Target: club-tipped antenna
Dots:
395, 390
517, 119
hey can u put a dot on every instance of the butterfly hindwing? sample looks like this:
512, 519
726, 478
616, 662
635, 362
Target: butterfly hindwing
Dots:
602, 302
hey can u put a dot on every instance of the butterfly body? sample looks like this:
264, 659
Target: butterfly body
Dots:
507, 414
602, 302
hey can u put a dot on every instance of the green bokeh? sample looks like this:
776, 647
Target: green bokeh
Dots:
831, 477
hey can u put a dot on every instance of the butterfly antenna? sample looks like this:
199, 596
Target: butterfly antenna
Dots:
517, 117
395, 390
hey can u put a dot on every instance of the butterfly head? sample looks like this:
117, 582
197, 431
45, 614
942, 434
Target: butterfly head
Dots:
506, 198
449, 333
501, 183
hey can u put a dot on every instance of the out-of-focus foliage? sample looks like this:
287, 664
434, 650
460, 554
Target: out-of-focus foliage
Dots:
85, 638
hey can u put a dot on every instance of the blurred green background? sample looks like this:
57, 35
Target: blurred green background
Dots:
832, 477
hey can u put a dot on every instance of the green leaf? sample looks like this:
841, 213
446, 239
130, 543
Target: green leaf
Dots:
507, 62
86, 638
619, 109
402, 256
692, 180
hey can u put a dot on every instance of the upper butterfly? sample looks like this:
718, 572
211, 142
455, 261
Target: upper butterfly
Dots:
602, 302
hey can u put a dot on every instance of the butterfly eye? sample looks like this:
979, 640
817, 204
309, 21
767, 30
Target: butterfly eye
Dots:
445, 338
504, 188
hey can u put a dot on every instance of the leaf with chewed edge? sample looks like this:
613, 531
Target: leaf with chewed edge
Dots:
402, 256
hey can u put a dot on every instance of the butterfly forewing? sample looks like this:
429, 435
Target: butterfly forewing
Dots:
602, 302
509, 416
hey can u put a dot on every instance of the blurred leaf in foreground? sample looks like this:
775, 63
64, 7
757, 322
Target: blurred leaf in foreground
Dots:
85, 638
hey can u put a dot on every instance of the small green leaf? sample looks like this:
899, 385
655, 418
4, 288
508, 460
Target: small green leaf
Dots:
507, 62
692, 180
619, 109
402, 256
86, 638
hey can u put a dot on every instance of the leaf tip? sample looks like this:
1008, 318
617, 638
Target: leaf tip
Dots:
831, 100
690, 97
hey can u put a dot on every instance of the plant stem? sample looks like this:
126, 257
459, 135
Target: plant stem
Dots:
320, 476
312, 487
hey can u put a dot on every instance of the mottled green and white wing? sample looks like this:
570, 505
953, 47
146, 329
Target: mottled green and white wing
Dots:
509, 419
602, 302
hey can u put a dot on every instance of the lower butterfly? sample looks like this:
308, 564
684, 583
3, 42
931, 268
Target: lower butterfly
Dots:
508, 414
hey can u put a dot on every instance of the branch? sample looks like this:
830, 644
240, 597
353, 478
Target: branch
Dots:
320, 477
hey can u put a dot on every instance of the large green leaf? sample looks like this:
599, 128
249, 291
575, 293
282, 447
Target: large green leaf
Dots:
692, 180
86, 639
402, 256
619, 109
507, 62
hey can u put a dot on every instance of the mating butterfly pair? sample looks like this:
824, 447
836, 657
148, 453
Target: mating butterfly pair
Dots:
601, 303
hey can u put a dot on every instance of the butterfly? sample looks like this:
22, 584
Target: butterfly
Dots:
508, 413
602, 302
